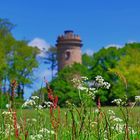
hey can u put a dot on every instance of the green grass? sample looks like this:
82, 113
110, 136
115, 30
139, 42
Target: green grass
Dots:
31, 113
65, 130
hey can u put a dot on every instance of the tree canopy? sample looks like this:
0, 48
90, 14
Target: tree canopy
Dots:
18, 60
119, 66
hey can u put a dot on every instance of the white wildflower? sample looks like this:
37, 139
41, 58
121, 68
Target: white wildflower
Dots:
111, 112
39, 107
34, 120
118, 127
7, 113
117, 101
91, 94
96, 111
36, 137
84, 78
29, 103
99, 80
106, 85
52, 132
117, 120
112, 117
8, 106
137, 98
39, 136
48, 104
80, 87
44, 130
132, 130
34, 97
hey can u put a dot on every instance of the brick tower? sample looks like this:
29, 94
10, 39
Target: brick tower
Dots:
68, 49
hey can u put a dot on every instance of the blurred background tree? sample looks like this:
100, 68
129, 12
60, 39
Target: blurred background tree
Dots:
18, 60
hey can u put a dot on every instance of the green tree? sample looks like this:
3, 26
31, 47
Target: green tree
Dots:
18, 60
51, 59
22, 62
103, 61
87, 60
129, 67
6, 42
5, 27
63, 86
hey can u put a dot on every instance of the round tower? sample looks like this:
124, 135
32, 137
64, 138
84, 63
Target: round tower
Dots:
68, 49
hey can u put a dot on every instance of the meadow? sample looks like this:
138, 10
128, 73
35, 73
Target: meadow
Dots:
69, 124
47, 121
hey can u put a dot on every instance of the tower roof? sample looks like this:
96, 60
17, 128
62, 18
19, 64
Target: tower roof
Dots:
68, 31
69, 38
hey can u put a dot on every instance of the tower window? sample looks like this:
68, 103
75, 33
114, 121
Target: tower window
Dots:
67, 55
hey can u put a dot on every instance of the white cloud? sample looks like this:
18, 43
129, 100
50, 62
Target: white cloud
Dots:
131, 41
114, 45
89, 52
40, 44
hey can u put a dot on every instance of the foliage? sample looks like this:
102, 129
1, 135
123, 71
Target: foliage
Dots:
39, 123
119, 66
5, 27
87, 60
103, 60
51, 59
62, 84
129, 68
18, 61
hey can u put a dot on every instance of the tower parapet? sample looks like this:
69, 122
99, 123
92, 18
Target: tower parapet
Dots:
69, 37
68, 49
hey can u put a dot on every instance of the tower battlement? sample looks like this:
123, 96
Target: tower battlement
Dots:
69, 37
68, 49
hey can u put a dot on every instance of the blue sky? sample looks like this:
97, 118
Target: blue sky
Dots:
99, 22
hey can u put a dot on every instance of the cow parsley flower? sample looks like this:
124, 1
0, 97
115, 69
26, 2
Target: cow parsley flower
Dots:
29, 103
48, 104
8, 106
34, 97
111, 112
39, 107
117, 120
137, 98
118, 102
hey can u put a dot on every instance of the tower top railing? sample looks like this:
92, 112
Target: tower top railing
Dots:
68, 35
